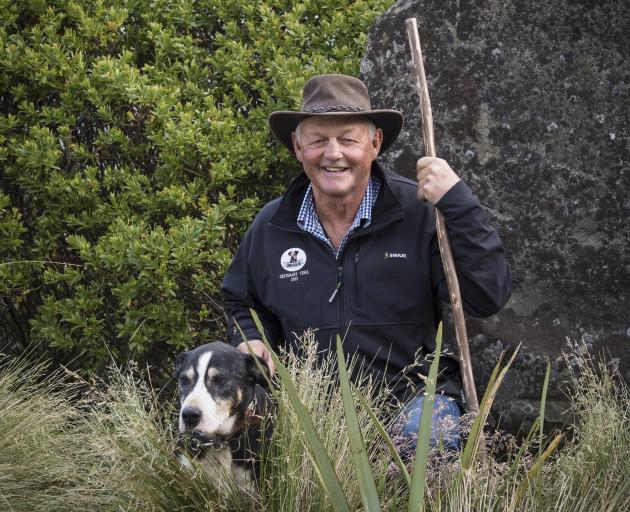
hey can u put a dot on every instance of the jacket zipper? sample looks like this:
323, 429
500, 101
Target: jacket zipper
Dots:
340, 300
356, 278
336, 290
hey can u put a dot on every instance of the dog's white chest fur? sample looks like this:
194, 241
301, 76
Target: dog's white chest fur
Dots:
220, 470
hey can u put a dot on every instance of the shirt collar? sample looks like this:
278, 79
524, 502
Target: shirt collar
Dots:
364, 213
387, 207
308, 220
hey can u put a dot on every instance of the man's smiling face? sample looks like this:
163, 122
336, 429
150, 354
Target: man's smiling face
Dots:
337, 154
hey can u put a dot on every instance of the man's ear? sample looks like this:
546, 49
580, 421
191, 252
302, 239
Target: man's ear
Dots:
179, 363
254, 372
377, 141
296, 146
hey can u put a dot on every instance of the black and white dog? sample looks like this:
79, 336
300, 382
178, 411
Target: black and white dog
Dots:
222, 398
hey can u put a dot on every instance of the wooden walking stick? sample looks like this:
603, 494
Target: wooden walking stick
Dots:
445, 246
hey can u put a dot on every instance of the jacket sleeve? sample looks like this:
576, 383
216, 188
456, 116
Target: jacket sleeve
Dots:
239, 295
482, 269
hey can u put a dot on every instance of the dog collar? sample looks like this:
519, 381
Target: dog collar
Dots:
198, 445
218, 442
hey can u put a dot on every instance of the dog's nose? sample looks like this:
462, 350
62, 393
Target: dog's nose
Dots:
191, 416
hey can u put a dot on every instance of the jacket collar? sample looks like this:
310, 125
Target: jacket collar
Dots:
387, 207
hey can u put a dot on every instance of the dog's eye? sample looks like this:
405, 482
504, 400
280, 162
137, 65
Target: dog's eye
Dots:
218, 379
184, 381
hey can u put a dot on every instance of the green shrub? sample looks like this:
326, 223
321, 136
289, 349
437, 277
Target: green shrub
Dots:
134, 151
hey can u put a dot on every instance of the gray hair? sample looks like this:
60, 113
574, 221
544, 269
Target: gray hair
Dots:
370, 124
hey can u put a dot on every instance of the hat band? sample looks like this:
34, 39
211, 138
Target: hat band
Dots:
333, 108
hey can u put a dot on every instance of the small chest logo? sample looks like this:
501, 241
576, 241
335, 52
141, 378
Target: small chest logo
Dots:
293, 259
395, 255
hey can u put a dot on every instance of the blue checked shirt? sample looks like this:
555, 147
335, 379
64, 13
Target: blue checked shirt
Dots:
309, 221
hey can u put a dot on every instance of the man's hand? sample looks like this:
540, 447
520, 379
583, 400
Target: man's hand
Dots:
259, 348
435, 178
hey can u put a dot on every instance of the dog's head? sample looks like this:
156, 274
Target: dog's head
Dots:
216, 386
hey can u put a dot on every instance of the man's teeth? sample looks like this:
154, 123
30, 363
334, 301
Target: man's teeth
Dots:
335, 169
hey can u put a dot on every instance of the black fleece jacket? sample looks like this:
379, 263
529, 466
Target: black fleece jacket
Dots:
382, 294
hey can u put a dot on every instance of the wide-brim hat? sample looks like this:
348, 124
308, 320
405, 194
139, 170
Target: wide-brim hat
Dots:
336, 95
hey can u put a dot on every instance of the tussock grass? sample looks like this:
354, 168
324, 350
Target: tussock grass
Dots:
112, 449
593, 471
589, 472
44, 462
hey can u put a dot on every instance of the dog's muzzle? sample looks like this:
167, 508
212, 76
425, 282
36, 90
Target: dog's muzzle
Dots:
198, 444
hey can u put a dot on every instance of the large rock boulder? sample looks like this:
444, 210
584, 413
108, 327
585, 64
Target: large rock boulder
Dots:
531, 104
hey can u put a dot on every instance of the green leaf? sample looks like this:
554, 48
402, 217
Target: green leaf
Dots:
421, 459
367, 486
475, 438
519, 456
533, 472
543, 401
384, 435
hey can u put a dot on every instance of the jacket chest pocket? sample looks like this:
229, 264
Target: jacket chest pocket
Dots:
390, 286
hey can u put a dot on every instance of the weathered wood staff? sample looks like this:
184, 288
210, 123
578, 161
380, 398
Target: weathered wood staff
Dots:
445, 246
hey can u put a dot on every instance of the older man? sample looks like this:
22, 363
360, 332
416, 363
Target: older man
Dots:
350, 249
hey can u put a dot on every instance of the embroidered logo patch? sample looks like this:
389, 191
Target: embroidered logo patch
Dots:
395, 255
293, 259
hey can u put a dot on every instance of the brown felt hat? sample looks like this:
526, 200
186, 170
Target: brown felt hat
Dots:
336, 95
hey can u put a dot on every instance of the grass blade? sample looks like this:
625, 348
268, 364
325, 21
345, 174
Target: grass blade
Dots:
384, 435
519, 455
322, 463
533, 472
543, 401
467, 452
418, 477
367, 486
476, 432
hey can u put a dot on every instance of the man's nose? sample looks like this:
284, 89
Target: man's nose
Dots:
333, 150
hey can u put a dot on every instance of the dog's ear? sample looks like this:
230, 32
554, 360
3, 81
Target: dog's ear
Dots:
179, 363
253, 370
